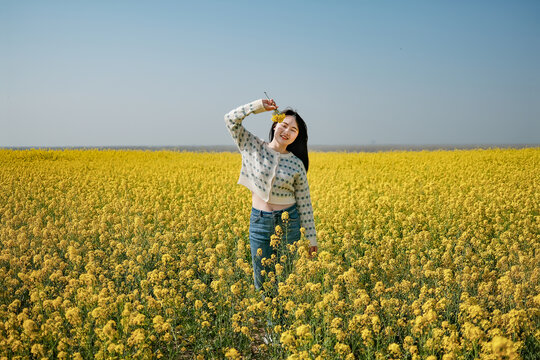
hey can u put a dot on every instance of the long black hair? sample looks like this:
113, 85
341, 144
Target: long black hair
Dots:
299, 146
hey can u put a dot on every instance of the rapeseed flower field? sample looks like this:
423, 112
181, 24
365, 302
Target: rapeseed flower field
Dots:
113, 254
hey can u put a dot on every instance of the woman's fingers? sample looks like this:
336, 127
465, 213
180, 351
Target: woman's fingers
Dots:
270, 104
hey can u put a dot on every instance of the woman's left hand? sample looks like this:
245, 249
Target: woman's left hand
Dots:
269, 104
313, 249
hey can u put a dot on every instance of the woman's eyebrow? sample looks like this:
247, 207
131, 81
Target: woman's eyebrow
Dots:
293, 127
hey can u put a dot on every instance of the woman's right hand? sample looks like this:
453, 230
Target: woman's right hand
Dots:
269, 104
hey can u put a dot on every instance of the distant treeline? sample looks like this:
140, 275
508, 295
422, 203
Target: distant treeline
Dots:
322, 148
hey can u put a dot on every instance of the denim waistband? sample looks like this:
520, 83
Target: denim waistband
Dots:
272, 213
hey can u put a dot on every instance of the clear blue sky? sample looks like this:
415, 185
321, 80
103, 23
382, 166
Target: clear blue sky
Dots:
99, 73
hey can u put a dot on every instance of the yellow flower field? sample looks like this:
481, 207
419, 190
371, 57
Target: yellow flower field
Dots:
138, 254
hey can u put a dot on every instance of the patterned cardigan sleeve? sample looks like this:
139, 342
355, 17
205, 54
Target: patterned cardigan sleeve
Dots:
241, 136
303, 203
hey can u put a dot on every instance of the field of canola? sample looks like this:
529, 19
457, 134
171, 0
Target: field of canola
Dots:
138, 254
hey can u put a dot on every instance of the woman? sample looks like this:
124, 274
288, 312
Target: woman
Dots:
275, 173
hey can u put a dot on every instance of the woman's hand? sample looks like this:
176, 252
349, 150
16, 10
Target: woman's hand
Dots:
313, 249
269, 104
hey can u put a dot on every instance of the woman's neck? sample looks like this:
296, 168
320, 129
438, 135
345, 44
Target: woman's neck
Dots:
274, 145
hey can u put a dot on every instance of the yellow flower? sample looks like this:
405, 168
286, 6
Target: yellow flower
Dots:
232, 353
285, 216
109, 329
98, 312
73, 316
274, 240
303, 331
472, 332
342, 349
244, 330
367, 335
137, 319
157, 320
279, 269
38, 350
287, 338
137, 337
221, 248
30, 327
289, 306
394, 349
501, 348
235, 289
277, 117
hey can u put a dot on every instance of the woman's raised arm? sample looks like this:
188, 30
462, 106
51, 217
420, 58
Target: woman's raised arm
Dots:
233, 120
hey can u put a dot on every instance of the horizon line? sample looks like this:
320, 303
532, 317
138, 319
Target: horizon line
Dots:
315, 148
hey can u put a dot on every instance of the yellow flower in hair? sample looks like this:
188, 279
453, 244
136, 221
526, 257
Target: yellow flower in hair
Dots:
277, 117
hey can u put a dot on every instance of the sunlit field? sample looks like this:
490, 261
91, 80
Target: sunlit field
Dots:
139, 254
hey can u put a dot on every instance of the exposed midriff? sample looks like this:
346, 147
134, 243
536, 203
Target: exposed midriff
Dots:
260, 204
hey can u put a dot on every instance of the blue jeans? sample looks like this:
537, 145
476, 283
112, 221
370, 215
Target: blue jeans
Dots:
262, 226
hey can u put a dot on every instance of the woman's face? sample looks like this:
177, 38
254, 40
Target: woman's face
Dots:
286, 131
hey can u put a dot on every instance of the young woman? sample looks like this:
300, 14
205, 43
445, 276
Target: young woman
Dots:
275, 173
